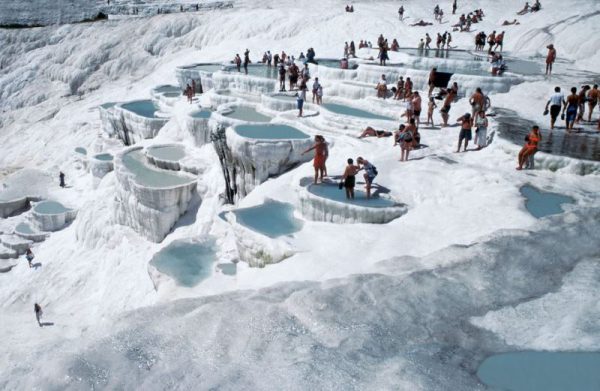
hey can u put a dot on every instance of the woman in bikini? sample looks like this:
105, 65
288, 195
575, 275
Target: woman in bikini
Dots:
531, 146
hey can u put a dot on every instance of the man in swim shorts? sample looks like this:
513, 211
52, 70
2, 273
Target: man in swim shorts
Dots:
556, 102
592, 98
465, 131
571, 109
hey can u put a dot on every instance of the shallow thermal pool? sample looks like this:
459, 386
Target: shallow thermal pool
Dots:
50, 208
167, 88
186, 262
270, 131
260, 71
245, 113
441, 53
353, 112
203, 114
548, 371
285, 97
540, 203
332, 192
168, 152
210, 68
145, 108
272, 219
24, 228
81, 150
107, 157
150, 176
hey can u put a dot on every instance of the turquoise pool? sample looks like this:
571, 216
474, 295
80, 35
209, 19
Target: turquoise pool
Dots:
245, 113
270, 131
272, 219
50, 208
145, 108
171, 152
188, 263
149, 176
333, 192
540, 203
353, 112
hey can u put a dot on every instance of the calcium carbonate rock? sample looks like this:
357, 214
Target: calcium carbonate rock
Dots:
101, 164
254, 159
148, 199
51, 216
250, 84
132, 121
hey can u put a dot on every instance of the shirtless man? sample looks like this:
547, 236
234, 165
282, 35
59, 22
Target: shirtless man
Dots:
465, 131
431, 81
427, 41
571, 109
491, 40
582, 98
500, 40
550, 58
477, 102
593, 98
445, 110
416, 106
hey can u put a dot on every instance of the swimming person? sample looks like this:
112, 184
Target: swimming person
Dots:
481, 125
320, 148
530, 148
371, 132
556, 102
465, 131
571, 109
370, 173
349, 179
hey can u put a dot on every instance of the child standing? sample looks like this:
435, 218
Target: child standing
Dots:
430, 108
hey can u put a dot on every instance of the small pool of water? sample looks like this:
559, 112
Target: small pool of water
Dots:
583, 145
272, 219
171, 152
332, 192
24, 228
541, 204
150, 176
145, 108
107, 157
332, 63
229, 269
186, 262
523, 67
108, 105
270, 131
245, 113
81, 150
352, 112
166, 88
285, 97
439, 53
172, 94
210, 68
50, 208
203, 114
548, 371
260, 71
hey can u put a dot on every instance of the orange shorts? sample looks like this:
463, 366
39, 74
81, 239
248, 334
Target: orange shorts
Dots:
319, 161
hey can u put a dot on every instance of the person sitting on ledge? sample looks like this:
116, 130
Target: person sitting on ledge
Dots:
370, 132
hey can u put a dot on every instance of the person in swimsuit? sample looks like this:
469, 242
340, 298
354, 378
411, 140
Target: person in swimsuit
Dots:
465, 131
371, 132
408, 140
370, 173
320, 148
431, 106
445, 110
582, 99
416, 107
530, 148
382, 87
38, 313
399, 88
349, 178
29, 256
431, 81
477, 102
550, 58
246, 60
571, 109
592, 97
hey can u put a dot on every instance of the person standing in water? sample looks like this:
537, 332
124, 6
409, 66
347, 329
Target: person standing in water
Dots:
320, 148
571, 109
246, 60
556, 102
61, 179
582, 99
349, 179
550, 58
238, 62
301, 98
592, 97
530, 148
281, 77
370, 173
38, 313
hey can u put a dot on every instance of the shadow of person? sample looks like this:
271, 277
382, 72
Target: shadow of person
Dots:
46, 324
36, 265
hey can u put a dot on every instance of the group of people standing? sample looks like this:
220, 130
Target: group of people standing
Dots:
572, 108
